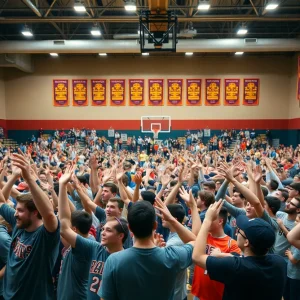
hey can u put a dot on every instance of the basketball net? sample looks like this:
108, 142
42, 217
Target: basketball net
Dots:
155, 132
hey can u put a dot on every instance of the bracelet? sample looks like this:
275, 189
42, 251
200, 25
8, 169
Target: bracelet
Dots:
38, 182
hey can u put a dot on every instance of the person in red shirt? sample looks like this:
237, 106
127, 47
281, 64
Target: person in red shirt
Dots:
218, 244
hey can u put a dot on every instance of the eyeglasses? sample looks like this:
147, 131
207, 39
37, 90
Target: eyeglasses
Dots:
119, 221
239, 231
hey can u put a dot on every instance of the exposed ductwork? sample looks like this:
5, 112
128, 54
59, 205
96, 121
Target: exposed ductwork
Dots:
20, 61
32, 7
132, 46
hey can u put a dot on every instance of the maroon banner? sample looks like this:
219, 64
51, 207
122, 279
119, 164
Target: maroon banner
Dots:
117, 92
175, 87
251, 92
156, 92
80, 92
212, 92
61, 92
232, 92
193, 92
98, 92
136, 92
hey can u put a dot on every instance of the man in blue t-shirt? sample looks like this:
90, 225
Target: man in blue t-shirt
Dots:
250, 276
83, 278
35, 241
142, 268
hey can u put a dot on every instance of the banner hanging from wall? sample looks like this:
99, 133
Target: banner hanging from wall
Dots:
79, 88
298, 81
156, 92
175, 87
212, 92
117, 92
251, 92
98, 87
193, 92
232, 92
60, 92
136, 92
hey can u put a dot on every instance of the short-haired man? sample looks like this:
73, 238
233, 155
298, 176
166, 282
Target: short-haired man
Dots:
138, 270
245, 277
90, 255
218, 244
35, 241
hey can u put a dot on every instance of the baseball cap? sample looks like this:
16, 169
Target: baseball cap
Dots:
259, 233
295, 186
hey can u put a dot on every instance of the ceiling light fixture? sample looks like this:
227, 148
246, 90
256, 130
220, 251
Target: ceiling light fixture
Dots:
145, 53
27, 32
102, 54
54, 54
130, 6
239, 53
95, 31
79, 7
272, 5
242, 31
204, 5
189, 53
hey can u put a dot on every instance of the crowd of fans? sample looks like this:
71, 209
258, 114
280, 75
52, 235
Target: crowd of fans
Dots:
149, 220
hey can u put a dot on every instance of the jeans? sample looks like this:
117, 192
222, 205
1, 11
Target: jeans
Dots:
292, 289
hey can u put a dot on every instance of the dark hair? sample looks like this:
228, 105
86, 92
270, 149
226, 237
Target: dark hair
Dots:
148, 196
118, 200
113, 188
177, 212
125, 180
258, 251
264, 191
298, 199
141, 218
82, 179
273, 203
81, 220
235, 190
210, 184
284, 194
274, 184
27, 200
207, 197
223, 214
173, 183
122, 227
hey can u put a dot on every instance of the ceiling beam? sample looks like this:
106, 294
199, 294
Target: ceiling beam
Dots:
32, 7
135, 19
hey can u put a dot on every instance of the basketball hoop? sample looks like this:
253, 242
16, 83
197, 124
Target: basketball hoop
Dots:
155, 128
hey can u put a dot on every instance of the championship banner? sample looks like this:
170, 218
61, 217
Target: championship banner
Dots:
175, 87
117, 92
156, 92
212, 92
251, 92
193, 92
298, 81
232, 92
79, 87
61, 92
136, 92
98, 92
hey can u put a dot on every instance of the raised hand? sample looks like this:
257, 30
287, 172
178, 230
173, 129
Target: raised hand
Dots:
106, 175
66, 177
213, 211
93, 162
165, 179
257, 174
184, 195
119, 174
159, 240
164, 212
21, 162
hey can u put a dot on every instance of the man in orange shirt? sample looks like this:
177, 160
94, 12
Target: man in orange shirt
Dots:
218, 244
